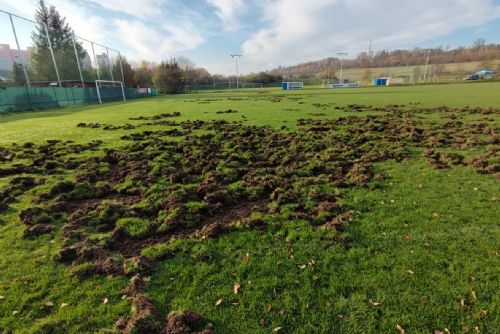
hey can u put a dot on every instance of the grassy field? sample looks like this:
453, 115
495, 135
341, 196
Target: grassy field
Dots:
336, 218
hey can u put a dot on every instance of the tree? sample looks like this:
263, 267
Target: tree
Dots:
366, 76
187, 67
143, 74
168, 77
128, 72
61, 40
18, 74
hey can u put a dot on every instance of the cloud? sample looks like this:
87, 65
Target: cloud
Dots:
306, 30
227, 11
142, 9
156, 44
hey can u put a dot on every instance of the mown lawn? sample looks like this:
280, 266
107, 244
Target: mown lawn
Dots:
421, 250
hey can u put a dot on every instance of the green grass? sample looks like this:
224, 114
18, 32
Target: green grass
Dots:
418, 244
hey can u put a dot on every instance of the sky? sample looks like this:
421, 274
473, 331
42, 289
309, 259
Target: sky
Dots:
268, 33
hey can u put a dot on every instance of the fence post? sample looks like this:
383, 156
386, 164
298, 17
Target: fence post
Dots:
123, 77
77, 60
95, 59
20, 53
109, 65
52, 54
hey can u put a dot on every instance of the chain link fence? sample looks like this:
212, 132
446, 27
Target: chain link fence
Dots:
41, 67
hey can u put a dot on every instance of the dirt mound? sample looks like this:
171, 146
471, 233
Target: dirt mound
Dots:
186, 322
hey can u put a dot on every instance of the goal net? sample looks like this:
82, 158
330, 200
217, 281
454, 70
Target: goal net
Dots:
291, 85
110, 91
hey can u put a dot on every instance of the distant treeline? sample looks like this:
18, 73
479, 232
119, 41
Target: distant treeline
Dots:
478, 52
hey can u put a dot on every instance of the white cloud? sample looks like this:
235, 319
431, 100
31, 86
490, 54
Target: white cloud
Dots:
156, 44
227, 11
306, 30
142, 8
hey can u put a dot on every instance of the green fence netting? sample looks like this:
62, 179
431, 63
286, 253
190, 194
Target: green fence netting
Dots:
35, 98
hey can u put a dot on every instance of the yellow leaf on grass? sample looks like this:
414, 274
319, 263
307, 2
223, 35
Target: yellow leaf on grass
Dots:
400, 329
64, 305
277, 329
374, 303
236, 288
218, 302
473, 296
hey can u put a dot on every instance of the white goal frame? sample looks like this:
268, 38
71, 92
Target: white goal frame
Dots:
97, 86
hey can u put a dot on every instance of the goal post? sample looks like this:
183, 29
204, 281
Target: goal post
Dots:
99, 84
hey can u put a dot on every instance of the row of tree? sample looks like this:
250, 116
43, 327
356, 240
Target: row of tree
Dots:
479, 51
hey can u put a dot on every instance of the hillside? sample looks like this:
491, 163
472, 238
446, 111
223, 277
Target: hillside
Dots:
444, 63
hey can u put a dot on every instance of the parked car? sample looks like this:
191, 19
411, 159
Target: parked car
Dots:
472, 77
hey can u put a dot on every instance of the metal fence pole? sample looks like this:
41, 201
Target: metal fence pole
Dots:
77, 60
20, 53
123, 77
109, 65
52, 54
95, 59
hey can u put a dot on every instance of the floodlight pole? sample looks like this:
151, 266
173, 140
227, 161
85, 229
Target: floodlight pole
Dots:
20, 53
341, 54
236, 56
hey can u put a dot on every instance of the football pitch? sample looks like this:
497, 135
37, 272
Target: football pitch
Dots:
363, 210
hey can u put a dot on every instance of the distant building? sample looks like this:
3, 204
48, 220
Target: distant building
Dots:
102, 60
9, 57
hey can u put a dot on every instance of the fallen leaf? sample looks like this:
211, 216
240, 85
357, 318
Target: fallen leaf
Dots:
463, 305
49, 304
374, 303
269, 308
277, 329
2, 297
64, 305
246, 257
236, 288
303, 266
400, 329
476, 329
105, 301
281, 312
409, 271
315, 278
437, 331
15, 312
406, 237
447, 331
473, 296
124, 297
218, 302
